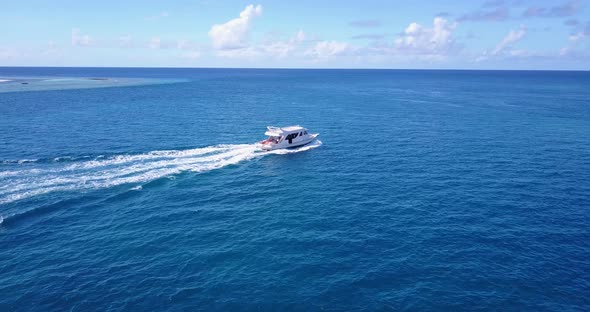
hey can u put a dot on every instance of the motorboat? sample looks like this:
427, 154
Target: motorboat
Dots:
286, 137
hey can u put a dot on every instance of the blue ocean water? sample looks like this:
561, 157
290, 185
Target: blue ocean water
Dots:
428, 190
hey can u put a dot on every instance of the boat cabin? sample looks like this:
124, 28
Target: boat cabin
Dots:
286, 137
277, 135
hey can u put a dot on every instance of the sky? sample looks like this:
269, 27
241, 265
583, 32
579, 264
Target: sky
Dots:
417, 34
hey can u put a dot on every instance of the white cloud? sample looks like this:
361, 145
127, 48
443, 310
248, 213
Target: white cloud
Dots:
269, 48
574, 41
417, 39
326, 49
419, 43
577, 36
81, 40
300, 36
504, 47
279, 49
243, 53
512, 37
282, 49
234, 33
155, 43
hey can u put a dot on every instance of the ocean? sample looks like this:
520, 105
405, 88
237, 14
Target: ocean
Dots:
127, 189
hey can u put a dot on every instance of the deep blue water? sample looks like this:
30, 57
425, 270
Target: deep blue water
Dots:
429, 190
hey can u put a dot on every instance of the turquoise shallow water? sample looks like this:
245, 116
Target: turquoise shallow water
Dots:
445, 190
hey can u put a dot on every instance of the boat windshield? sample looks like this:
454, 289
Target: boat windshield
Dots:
274, 139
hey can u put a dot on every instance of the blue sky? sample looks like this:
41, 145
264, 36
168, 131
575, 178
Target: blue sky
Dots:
485, 34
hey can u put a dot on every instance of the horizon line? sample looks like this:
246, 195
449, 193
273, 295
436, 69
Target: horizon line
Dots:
302, 68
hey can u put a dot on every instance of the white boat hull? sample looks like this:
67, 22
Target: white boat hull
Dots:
285, 143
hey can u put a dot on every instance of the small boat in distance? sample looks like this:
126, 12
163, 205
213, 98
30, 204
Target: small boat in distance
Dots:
286, 137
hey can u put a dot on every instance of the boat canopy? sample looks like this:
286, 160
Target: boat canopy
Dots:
277, 131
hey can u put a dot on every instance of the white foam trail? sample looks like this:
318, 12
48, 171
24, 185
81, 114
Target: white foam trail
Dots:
303, 148
103, 172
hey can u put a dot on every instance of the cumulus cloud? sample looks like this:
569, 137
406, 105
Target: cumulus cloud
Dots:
269, 48
300, 36
512, 37
78, 39
281, 48
234, 33
417, 39
326, 49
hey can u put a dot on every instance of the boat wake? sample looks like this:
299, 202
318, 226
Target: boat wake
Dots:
22, 180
